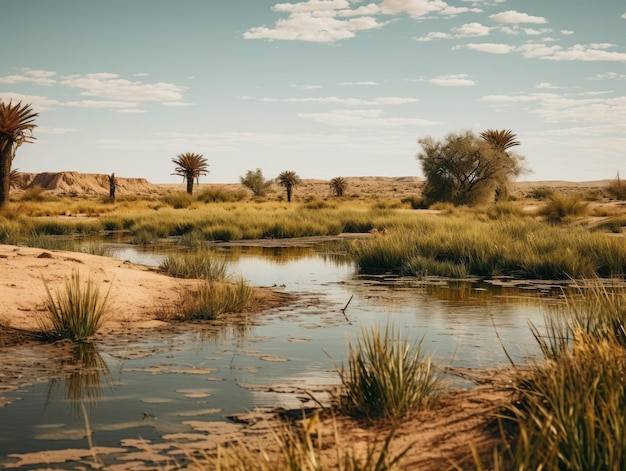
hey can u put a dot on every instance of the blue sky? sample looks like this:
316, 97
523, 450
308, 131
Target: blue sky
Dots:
322, 87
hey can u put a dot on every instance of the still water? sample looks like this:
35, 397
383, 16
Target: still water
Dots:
165, 384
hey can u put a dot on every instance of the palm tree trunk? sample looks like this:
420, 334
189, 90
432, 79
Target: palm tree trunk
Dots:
5, 170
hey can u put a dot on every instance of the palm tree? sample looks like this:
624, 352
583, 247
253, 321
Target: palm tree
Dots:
16, 179
289, 179
501, 139
338, 185
190, 166
16, 127
113, 185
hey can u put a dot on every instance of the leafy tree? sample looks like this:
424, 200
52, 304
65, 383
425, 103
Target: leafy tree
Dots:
338, 186
289, 179
16, 127
255, 181
190, 166
465, 169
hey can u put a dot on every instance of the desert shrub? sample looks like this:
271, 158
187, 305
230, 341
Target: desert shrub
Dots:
215, 298
220, 195
415, 202
196, 264
616, 189
540, 193
386, 377
562, 208
35, 194
76, 313
179, 200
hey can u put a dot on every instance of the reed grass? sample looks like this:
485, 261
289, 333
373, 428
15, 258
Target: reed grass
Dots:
200, 263
75, 313
520, 247
215, 298
304, 447
386, 377
570, 409
562, 208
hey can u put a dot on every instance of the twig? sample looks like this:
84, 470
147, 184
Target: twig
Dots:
343, 311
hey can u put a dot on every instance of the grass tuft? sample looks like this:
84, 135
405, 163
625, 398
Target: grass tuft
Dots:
76, 313
215, 298
195, 264
386, 377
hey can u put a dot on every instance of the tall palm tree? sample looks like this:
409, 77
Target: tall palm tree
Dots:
338, 185
190, 166
289, 179
16, 128
501, 139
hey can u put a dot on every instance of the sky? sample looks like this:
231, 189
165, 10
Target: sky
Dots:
325, 88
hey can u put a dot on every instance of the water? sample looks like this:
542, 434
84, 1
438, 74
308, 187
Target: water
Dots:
176, 382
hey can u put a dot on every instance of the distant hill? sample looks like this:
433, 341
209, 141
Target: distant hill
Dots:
75, 183
86, 183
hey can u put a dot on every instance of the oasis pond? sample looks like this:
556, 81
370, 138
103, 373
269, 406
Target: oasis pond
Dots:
123, 391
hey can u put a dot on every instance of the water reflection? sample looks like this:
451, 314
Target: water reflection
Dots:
85, 383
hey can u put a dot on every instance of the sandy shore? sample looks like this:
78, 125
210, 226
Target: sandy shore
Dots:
136, 291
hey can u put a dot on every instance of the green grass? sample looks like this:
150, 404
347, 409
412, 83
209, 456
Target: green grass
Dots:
201, 263
464, 246
569, 413
215, 298
75, 313
386, 377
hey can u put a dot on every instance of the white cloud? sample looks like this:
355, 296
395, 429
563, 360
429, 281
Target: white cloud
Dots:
359, 118
471, 29
545, 85
460, 80
420, 8
434, 35
512, 16
339, 101
357, 84
567, 108
609, 75
309, 26
101, 104
55, 131
536, 32
39, 103
110, 86
624, 16
37, 77
578, 52
491, 48
326, 21
566, 32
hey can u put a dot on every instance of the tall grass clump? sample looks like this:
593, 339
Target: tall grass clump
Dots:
561, 208
215, 298
305, 447
75, 313
570, 408
523, 248
195, 264
386, 377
